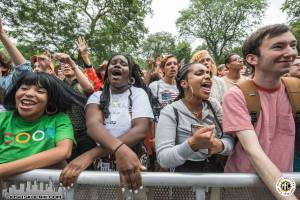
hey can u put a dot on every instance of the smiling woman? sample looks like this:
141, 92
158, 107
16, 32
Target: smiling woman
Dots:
35, 122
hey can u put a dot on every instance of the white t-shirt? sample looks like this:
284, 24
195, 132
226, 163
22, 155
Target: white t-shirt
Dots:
119, 120
166, 93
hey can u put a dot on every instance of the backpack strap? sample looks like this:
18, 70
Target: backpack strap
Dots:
177, 121
216, 118
252, 99
292, 87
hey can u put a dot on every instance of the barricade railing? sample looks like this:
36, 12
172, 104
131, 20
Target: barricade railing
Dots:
150, 179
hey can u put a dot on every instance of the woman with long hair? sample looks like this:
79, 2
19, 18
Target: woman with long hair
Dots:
179, 144
218, 85
118, 118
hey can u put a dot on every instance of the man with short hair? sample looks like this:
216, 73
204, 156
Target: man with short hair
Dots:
267, 147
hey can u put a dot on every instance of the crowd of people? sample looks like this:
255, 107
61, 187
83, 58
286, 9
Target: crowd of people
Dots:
177, 117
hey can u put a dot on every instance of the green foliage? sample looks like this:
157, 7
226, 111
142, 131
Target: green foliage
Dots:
296, 30
157, 44
292, 7
183, 51
108, 25
222, 24
3, 50
164, 43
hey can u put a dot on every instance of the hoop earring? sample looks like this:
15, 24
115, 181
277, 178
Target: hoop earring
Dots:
131, 81
190, 98
51, 111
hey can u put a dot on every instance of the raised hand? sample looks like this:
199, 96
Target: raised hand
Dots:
64, 58
82, 45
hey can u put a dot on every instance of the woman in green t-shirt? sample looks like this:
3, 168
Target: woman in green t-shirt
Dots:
35, 132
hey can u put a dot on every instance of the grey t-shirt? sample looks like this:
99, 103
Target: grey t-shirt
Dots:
165, 92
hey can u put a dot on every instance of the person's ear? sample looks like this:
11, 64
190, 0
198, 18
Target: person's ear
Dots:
252, 59
184, 84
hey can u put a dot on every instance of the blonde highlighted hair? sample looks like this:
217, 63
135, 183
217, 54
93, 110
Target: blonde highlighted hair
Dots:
199, 55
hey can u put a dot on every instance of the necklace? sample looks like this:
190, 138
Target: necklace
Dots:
197, 115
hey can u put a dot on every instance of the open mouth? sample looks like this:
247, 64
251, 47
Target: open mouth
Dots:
27, 103
116, 73
206, 86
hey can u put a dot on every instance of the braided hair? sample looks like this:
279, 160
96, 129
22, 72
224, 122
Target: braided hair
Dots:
182, 75
135, 79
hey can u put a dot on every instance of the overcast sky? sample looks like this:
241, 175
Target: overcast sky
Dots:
165, 13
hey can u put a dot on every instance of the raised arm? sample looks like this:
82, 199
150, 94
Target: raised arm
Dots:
14, 53
90, 71
83, 50
264, 167
46, 158
81, 78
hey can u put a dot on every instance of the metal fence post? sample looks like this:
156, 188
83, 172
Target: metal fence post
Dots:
200, 193
69, 193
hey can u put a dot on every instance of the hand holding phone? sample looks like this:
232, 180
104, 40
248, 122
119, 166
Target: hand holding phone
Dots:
202, 138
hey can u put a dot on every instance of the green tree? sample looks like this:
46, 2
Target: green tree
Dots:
292, 8
183, 51
157, 44
220, 23
164, 43
108, 25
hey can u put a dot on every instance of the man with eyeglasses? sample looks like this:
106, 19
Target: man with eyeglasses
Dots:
234, 64
295, 68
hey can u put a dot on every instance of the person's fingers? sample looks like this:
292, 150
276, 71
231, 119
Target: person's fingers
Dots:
77, 43
64, 178
122, 181
72, 175
143, 168
81, 39
128, 181
136, 180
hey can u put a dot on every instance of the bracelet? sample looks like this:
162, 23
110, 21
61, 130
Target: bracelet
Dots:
118, 147
87, 66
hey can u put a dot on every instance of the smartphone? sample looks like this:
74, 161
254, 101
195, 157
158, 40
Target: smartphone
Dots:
195, 127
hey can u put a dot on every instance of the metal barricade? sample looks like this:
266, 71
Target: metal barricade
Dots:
158, 185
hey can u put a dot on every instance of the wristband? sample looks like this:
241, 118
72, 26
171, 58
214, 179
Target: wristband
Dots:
118, 147
87, 66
